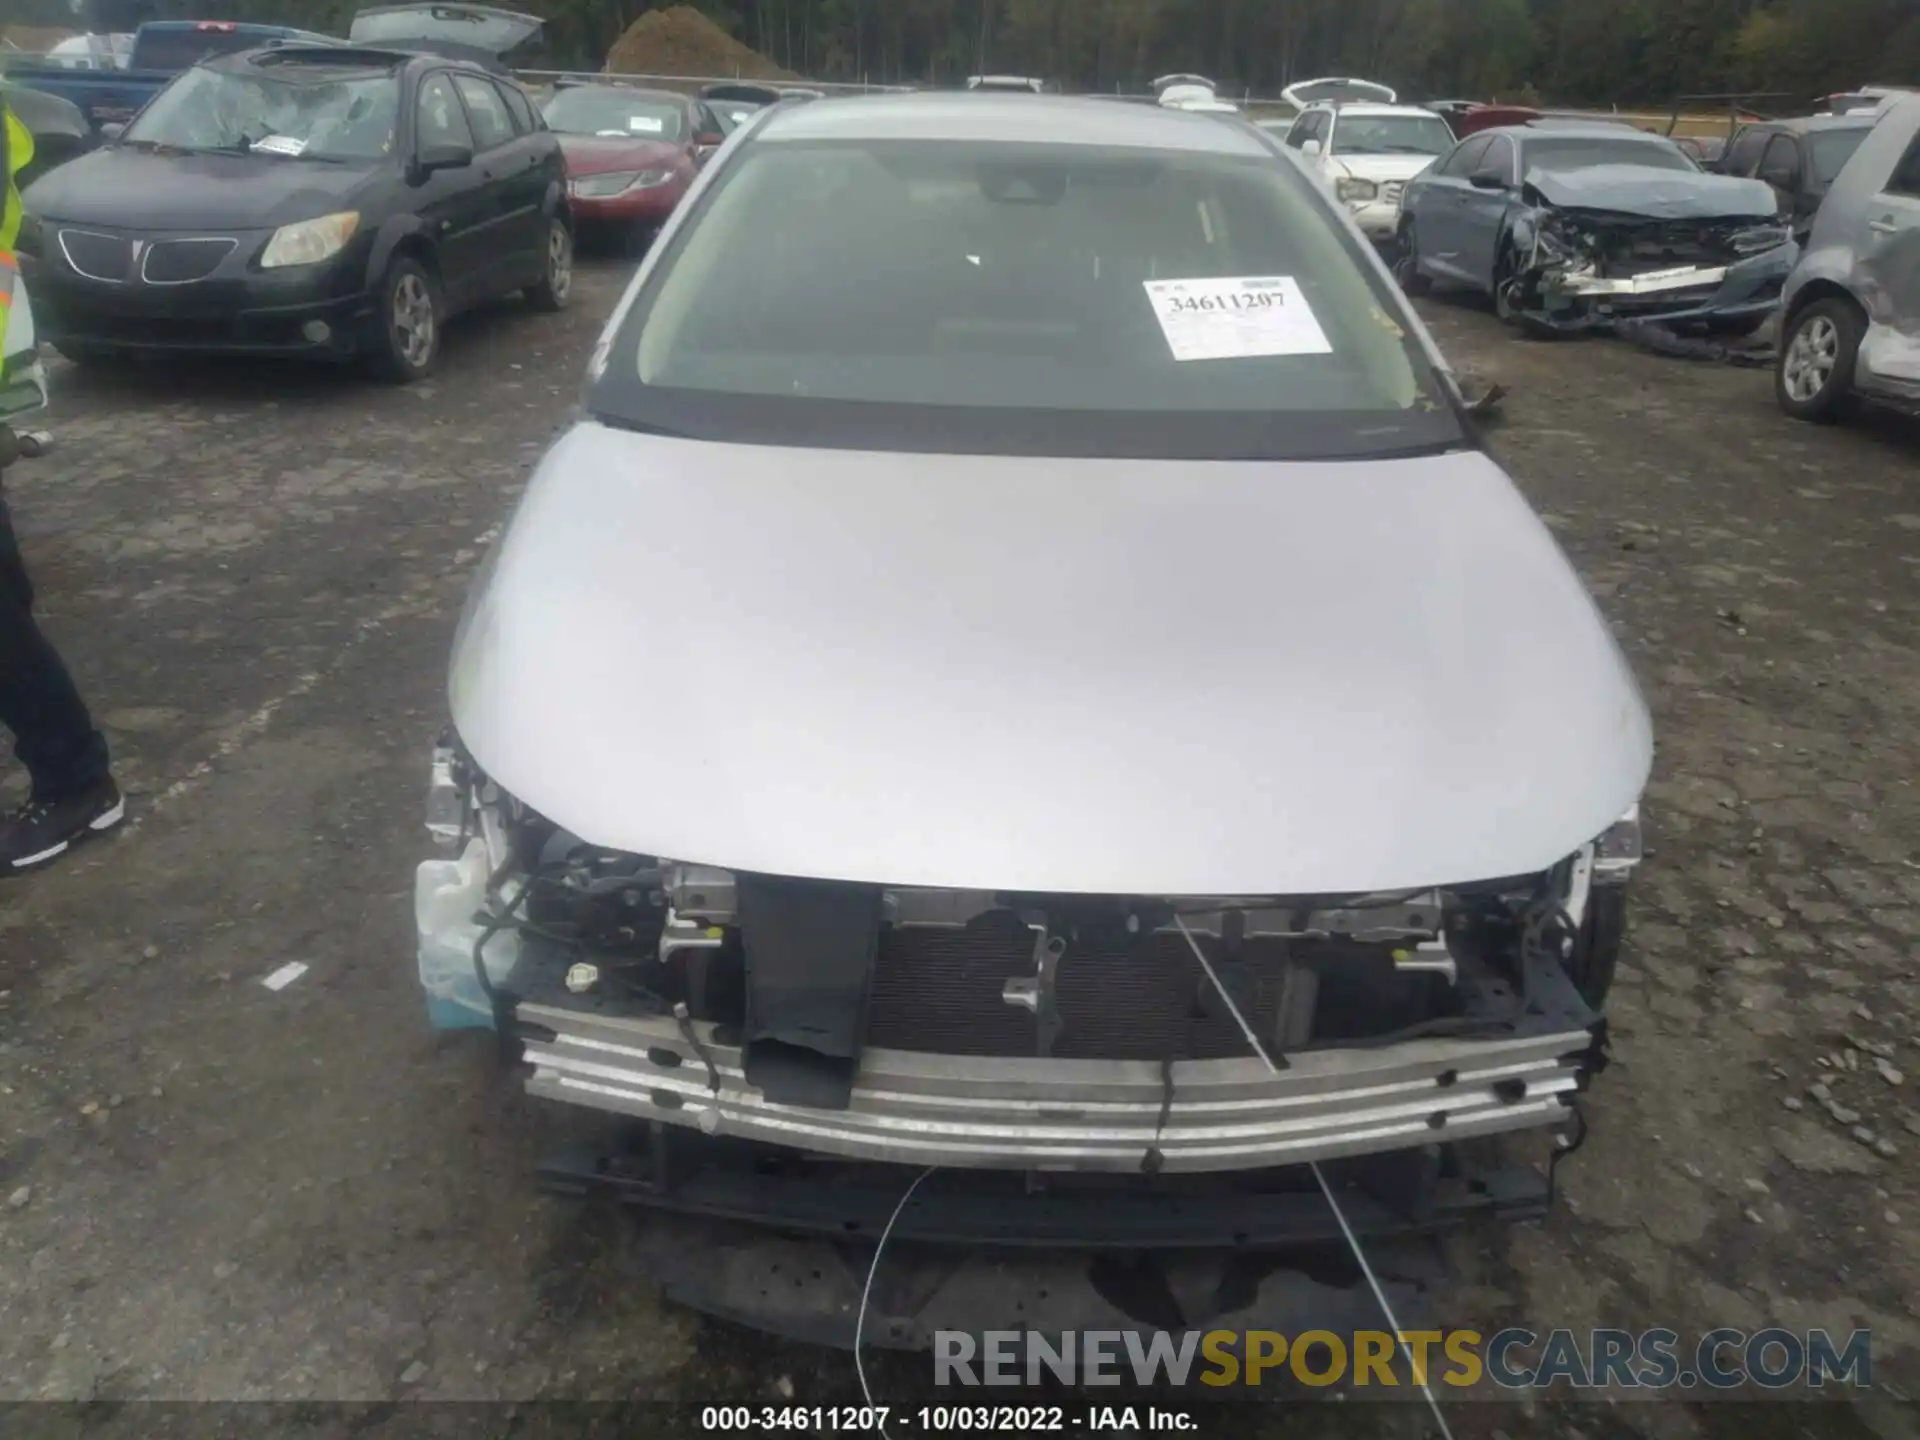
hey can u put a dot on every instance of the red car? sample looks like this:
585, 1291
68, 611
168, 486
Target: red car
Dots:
631, 154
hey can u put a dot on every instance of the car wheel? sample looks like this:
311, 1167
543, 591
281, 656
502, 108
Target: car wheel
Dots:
1507, 303
1596, 951
408, 343
1406, 264
1813, 379
556, 285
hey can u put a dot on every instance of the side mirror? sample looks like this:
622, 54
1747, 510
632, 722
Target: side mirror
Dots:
444, 157
1487, 180
709, 140
1310, 147
112, 130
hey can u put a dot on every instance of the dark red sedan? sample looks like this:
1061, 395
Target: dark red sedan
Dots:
631, 154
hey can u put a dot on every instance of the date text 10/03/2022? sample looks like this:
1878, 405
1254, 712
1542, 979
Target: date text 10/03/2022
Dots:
944, 1419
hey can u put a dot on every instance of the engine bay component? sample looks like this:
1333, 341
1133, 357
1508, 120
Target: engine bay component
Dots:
1582, 266
968, 1028
807, 948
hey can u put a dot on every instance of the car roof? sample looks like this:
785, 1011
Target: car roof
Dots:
630, 91
1577, 129
332, 57
1808, 124
973, 116
1365, 108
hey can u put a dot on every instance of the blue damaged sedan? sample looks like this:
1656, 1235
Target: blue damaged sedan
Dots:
1579, 227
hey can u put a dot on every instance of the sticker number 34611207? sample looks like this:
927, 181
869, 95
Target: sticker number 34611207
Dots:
1236, 317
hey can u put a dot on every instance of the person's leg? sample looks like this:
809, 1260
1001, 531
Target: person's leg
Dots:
54, 737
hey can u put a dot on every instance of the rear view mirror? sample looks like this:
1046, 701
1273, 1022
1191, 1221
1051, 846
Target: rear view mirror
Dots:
1309, 147
444, 157
1487, 180
112, 130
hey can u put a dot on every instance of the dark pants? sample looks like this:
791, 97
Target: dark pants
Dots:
52, 733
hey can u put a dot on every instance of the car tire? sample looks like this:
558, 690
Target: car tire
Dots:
408, 324
1813, 378
556, 280
1406, 264
1596, 950
1509, 312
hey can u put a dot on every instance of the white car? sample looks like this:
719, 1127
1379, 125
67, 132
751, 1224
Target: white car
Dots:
929, 710
1192, 92
1367, 153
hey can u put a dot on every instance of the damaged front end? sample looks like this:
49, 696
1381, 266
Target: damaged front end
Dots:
1573, 268
1015, 1032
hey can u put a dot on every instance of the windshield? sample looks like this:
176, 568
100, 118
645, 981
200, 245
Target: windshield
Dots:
1582, 152
1831, 151
1392, 135
614, 112
1021, 298
304, 112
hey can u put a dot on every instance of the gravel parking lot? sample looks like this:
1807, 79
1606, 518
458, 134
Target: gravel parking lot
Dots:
214, 1190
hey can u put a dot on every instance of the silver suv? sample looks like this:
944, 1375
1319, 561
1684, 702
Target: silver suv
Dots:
1851, 323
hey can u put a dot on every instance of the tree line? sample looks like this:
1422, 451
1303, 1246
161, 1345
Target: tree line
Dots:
1560, 51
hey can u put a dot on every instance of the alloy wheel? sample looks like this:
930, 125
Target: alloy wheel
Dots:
1811, 359
559, 260
413, 320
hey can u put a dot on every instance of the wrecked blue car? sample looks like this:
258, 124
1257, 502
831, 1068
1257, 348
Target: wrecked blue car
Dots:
1572, 228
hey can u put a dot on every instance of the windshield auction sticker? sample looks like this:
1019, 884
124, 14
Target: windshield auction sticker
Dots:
646, 124
1236, 318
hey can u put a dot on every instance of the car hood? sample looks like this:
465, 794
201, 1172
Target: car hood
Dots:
1655, 194
128, 188
1114, 676
1380, 167
602, 154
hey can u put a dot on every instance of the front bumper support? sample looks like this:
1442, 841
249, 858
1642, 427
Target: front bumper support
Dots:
785, 1245
1520, 1071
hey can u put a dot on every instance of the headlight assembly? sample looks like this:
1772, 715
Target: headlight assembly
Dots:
308, 242
605, 187
1356, 192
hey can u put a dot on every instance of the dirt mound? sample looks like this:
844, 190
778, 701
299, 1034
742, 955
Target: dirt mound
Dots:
682, 41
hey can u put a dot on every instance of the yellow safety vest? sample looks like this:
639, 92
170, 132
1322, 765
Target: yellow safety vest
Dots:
16, 150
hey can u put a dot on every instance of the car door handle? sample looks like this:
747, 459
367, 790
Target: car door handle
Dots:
1884, 226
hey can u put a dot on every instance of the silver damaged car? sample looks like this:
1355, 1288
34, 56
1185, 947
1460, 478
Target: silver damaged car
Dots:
1025, 667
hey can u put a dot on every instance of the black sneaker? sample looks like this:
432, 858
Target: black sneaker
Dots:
41, 831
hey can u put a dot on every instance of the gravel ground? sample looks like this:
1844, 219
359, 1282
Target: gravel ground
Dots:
216, 1191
